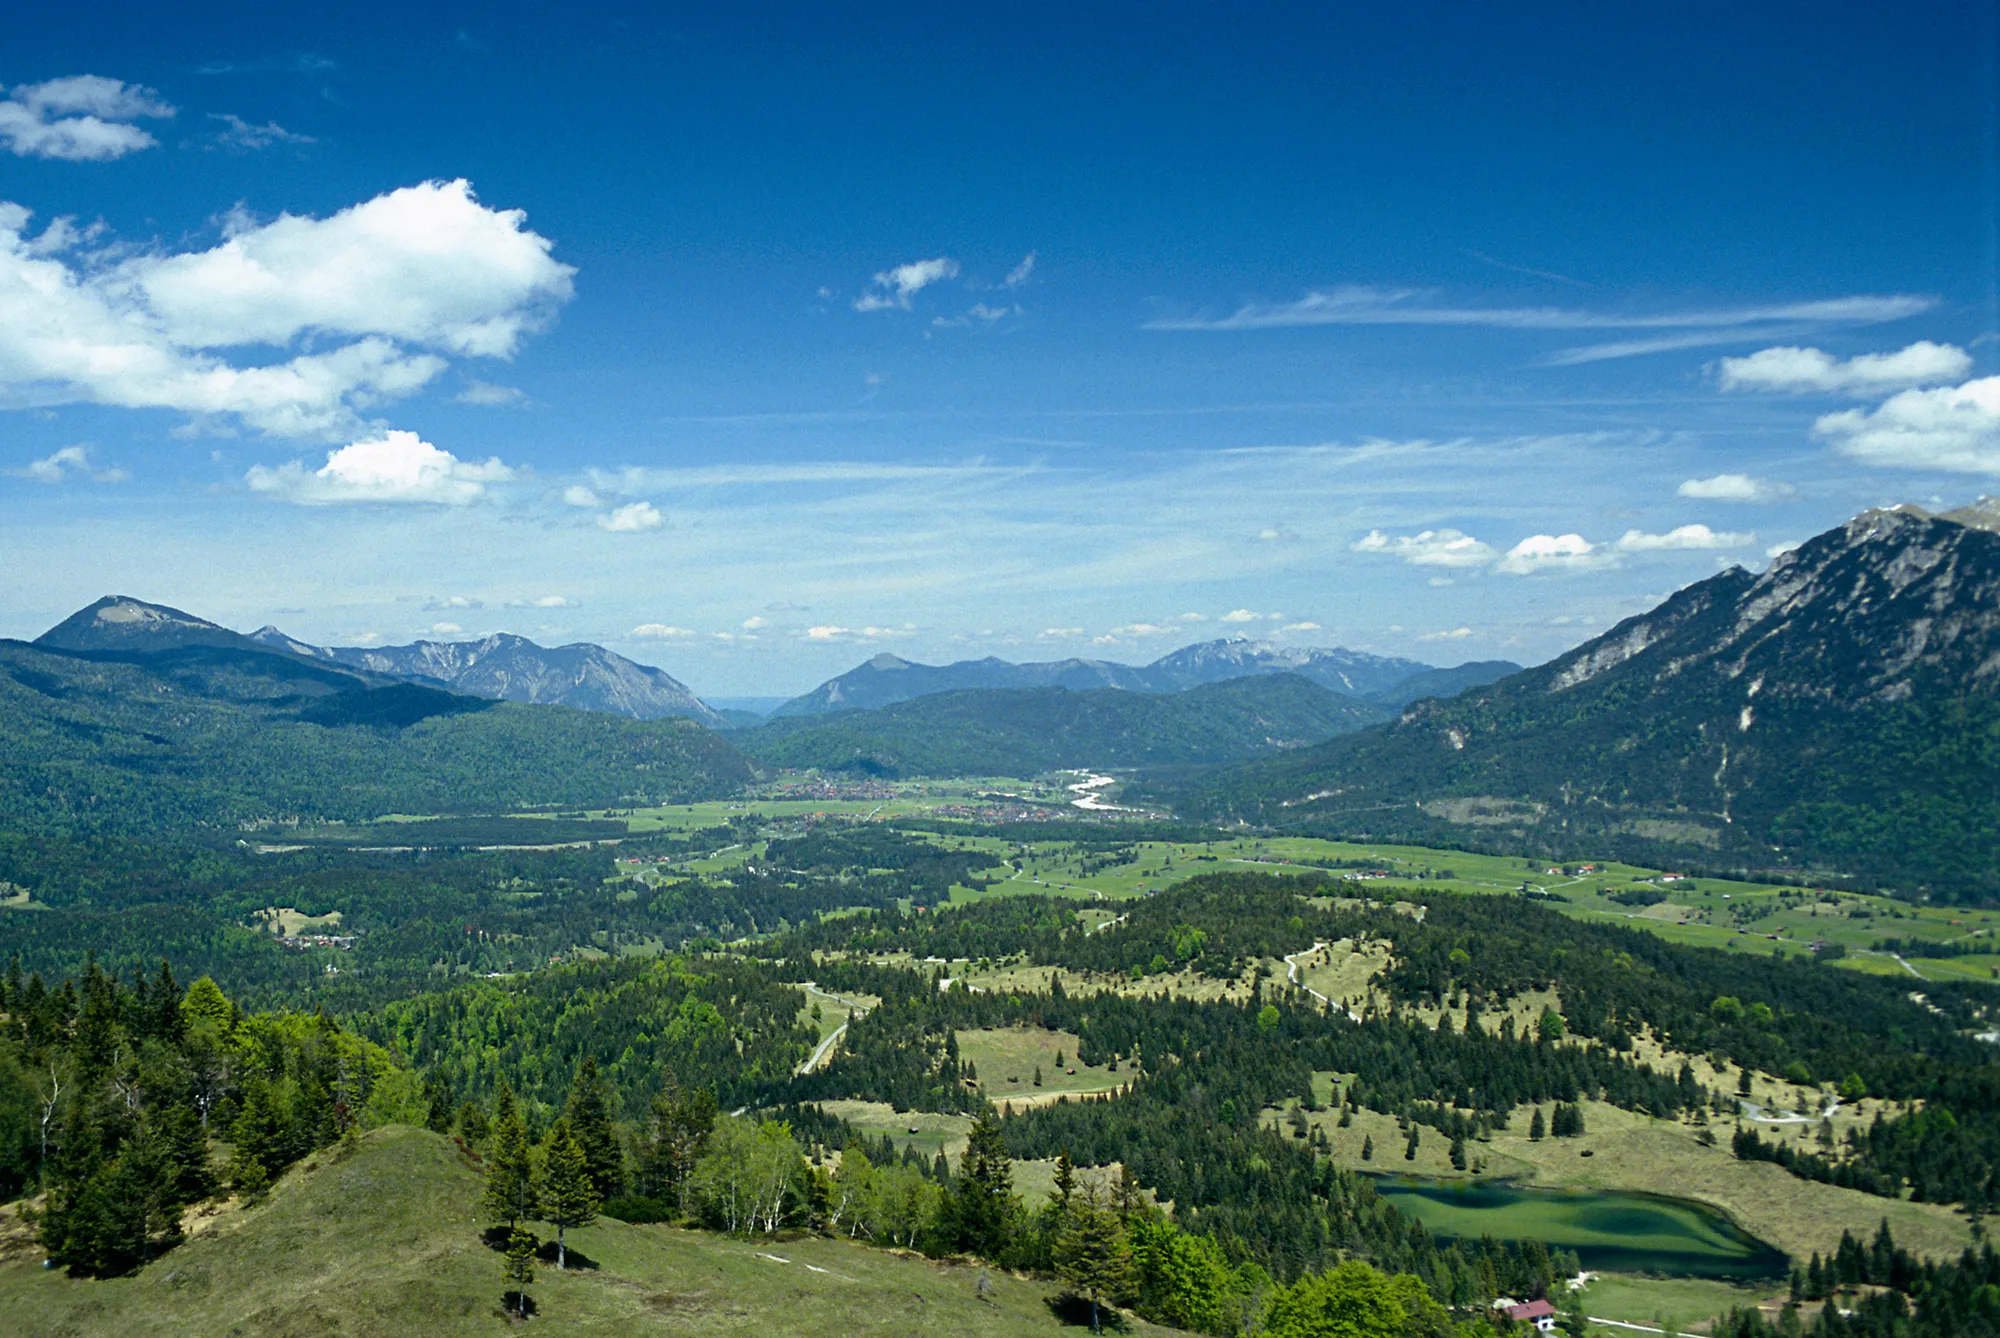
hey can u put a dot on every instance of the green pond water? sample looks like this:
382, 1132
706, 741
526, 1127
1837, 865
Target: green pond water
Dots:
1611, 1231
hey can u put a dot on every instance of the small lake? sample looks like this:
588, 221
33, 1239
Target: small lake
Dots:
1610, 1230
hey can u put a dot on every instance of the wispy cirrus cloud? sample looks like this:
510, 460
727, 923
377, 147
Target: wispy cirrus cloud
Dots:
236, 135
1674, 329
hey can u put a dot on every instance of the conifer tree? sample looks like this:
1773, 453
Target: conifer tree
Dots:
517, 1267
681, 1121
1368, 1147
569, 1195
1065, 1180
1538, 1128
983, 1192
1091, 1253
437, 1098
589, 1116
511, 1193
1410, 1148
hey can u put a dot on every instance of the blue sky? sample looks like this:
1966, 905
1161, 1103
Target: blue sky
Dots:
752, 344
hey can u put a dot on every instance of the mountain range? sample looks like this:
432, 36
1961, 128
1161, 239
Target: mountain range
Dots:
887, 679
1021, 731
161, 725
512, 668
500, 667
1840, 712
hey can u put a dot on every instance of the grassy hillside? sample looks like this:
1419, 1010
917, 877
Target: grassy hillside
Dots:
385, 1241
207, 737
1017, 731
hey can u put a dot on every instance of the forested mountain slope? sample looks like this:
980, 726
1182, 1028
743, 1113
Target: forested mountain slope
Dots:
1017, 731
1841, 711
208, 735
888, 679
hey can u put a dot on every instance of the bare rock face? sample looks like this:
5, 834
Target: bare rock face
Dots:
120, 623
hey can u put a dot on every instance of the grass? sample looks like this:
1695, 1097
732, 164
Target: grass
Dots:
1007, 1059
1681, 1302
385, 1242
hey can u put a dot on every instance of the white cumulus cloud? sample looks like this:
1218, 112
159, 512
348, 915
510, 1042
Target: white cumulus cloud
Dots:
895, 289
394, 467
382, 290
1733, 488
1554, 552
1430, 548
661, 632
756, 623
80, 119
632, 518
578, 495
1060, 634
1951, 428
826, 633
1809, 369
1684, 536
1302, 627
1455, 634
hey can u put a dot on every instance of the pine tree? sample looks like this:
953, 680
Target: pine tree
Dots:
1458, 1154
511, 1193
589, 1116
1368, 1147
517, 1267
569, 1195
1538, 1129
1410, 1148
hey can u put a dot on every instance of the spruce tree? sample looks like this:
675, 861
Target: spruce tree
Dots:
589, 1116
511, 1193
437, 1098
569, 1195
1368, 1147
983, 1191
517, 1267
1091, 1253
681, 1121
1538, 1129
1410, 1148
1065, 1180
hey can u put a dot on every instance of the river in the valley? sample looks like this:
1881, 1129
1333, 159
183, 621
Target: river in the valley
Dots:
1610, 1230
